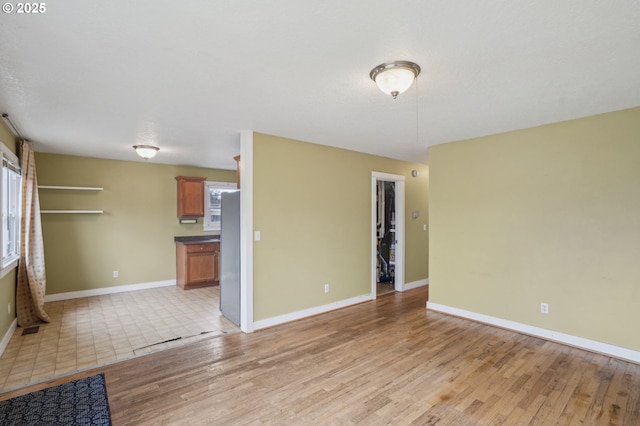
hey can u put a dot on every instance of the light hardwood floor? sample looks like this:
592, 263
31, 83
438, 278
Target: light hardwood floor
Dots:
388, 361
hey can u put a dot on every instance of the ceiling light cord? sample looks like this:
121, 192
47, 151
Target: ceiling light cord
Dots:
417, 114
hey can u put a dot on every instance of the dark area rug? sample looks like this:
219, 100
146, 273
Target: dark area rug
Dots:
79, 402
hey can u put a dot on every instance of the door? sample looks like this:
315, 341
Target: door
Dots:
385, 236
387, 217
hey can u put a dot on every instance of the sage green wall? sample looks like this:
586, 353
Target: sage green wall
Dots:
312, 205
549, 214
8, 283
135, 233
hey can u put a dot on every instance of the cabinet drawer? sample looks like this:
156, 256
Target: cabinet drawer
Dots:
200, 248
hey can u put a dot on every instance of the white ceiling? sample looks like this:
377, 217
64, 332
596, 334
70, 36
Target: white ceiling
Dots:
93, 78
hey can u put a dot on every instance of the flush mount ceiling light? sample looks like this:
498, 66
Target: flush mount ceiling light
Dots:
146, 151
395, 77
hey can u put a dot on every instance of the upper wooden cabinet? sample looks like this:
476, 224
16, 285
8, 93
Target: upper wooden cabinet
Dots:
190, 196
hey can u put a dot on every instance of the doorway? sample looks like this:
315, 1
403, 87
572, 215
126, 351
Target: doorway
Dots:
387, 233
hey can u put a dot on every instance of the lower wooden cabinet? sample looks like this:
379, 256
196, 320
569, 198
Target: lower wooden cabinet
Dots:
197, 265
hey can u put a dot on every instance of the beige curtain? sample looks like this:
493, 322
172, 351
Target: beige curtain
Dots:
32, 281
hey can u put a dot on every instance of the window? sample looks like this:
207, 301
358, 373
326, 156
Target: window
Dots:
11, 188
213, 202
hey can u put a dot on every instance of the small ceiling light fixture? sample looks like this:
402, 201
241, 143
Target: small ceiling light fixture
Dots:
395, 77
146, 151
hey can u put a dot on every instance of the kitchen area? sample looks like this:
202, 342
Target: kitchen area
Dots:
213, 258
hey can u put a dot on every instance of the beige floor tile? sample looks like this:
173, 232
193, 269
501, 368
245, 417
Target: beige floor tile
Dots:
27, 347
103, 345
12, 349
51, 334
87, 351
47, 344
106, 359
65, 364
21, 369
19, 374
125, 355
67, 350
40, 376
67, 341
44, 370
64, 370
5, 369
86, 362
44, 364
13, 382
25, 353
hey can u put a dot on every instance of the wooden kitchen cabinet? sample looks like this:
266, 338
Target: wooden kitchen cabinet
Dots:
197, 265
190, 196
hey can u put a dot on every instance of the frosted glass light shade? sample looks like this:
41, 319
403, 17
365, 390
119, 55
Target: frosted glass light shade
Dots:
146, 151
396, 77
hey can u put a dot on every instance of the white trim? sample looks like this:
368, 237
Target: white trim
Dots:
293, 316
11, 263
106, 290
400, 221
8, 268
246, 231
374, 236
399, 209
73, 211
567, 339
388, 177
7, 336
71, 188
415, 284
208, 185
5, 151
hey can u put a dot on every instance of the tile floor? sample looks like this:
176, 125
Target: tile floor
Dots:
99, 330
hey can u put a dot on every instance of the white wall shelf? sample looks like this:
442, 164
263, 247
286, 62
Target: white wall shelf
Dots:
73, 211
73, 188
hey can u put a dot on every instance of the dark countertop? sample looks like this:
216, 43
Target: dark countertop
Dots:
197, 239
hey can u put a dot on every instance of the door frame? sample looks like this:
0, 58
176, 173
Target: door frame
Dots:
398, 281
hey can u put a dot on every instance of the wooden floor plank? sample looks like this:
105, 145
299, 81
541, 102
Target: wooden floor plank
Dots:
387, 361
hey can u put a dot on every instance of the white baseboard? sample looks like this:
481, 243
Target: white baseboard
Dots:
106, 290
7, 336
415, 284
281, 319
567, 339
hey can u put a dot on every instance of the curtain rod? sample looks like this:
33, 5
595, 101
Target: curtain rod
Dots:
12, 126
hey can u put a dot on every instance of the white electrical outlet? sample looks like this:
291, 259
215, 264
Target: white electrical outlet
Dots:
115, 274
544, 308
9, 308
326, 288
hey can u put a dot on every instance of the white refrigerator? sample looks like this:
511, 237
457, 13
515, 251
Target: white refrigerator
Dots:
230, 256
